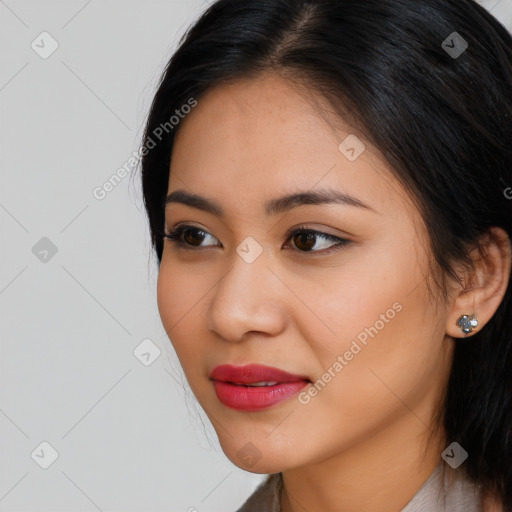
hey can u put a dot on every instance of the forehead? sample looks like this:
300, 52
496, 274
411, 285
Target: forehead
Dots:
264, 135
267, 109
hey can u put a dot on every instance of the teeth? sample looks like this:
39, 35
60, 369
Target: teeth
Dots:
258, 384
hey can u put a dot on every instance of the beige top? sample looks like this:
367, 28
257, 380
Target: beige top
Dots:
446, 490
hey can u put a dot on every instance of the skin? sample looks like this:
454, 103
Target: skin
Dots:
360, 444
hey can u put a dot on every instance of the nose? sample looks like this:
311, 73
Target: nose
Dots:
249, 298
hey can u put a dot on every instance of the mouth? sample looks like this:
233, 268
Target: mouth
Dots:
255, 384
254, 387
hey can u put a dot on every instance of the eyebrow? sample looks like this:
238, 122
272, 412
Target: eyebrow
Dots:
273, 206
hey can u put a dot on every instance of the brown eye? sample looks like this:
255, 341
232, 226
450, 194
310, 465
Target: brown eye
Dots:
189, 236
193, 236
310, 240
305, 240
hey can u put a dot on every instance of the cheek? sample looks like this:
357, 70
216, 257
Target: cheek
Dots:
180, 289
376, 294
169, 288
180, 298
378, 321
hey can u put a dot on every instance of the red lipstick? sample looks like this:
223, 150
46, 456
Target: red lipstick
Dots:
254, 387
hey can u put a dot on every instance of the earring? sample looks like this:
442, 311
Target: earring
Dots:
467, 323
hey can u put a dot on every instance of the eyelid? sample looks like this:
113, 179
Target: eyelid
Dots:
320, 231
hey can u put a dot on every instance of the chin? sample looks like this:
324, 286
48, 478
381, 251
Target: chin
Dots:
261, 467
255, 457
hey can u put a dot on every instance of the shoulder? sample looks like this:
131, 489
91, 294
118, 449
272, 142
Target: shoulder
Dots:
464, 491
266, 497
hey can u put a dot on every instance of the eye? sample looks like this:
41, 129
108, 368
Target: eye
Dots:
188, 236
311, 240
304, 239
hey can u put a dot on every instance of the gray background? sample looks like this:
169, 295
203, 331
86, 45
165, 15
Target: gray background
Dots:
128, 433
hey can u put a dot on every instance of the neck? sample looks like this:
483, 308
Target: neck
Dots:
381, 474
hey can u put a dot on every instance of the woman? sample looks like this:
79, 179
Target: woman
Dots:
328, 186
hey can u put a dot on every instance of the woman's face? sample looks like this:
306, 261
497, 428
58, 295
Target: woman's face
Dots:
346, 311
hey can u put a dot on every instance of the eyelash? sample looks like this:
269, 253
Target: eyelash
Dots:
175, 237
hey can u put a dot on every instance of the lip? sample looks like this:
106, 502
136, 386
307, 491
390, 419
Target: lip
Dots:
231, 384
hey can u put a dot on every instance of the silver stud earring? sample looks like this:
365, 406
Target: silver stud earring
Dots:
467, 323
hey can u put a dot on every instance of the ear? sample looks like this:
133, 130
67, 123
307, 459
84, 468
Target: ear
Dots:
484, 287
